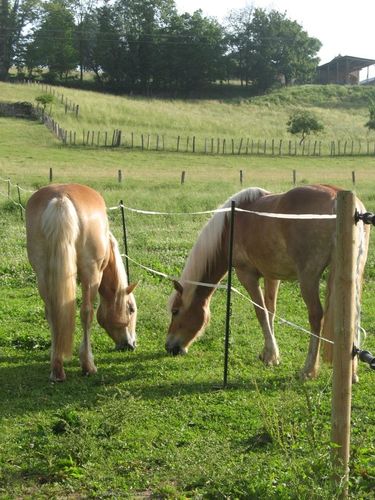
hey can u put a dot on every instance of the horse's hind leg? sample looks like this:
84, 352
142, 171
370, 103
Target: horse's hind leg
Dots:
310, 294
270, 353
89, 292
57, 362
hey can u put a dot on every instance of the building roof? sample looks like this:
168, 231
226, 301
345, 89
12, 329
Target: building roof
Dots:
351, 63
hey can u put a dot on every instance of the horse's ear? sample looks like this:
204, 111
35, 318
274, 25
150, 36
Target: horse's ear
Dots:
178, 287
131, 287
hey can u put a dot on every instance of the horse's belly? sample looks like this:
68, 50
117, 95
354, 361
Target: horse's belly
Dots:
280, 267
280, 270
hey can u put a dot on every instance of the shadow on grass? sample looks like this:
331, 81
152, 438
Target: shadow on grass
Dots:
25, 385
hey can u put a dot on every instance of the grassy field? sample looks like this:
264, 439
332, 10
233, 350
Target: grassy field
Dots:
342, 110
149, 425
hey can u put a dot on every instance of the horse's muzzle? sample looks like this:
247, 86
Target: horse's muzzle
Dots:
175, 350
125, 346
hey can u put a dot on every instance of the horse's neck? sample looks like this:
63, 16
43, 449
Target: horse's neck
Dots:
212, 276
111, 280
206, 266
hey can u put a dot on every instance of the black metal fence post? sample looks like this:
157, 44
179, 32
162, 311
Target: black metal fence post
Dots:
124, 233
229, 291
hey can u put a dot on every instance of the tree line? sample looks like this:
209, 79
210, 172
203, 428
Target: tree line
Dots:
146, 46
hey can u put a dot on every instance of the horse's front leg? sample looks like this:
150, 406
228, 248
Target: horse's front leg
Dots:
89, 292
270, 354
310, 294
271, 288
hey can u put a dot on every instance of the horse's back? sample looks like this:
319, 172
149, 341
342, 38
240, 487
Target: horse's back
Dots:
73, 213
85, 199
282, 248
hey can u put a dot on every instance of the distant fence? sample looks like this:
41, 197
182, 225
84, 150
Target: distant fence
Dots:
215, 146
192, 144
54, 91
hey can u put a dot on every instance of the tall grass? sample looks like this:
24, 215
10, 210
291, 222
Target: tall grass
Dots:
342, 109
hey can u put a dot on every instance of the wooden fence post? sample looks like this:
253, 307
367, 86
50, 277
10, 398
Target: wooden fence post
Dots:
344, 325
119, 176
183, 177
50, 174
294, 177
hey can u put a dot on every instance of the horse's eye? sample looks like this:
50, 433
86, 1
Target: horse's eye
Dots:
174, 312
131, 309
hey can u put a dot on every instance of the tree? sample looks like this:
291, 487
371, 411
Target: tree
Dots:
53, 42
269, 47
106, 51
142, 24
304, 123
193, 51
14, 16
44, 99
83, 33
238, 27
371, 123
295, 53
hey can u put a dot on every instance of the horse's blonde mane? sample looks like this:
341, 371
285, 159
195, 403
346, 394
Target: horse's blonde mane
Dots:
207, 246
122, 278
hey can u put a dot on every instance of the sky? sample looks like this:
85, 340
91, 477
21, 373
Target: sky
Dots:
344, 27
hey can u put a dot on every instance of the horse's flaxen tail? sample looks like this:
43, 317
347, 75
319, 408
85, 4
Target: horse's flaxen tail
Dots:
328, 319
361, 258
60, 226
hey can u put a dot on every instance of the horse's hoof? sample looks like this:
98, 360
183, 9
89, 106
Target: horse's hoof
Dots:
57, 378
125, 346
355, 378
308, 375
269, 359
86, 372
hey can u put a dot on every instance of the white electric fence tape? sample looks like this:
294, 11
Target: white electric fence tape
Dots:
223, 286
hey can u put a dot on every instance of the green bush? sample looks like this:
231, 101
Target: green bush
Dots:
44, 99
304, 123
371, 123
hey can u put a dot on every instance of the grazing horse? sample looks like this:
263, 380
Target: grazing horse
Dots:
68, 239
273, 248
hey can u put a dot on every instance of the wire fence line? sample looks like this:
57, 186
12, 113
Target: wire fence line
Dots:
203, 212
246, 146
223, 286
199, 283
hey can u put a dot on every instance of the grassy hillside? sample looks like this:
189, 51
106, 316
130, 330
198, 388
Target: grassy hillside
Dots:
342, 109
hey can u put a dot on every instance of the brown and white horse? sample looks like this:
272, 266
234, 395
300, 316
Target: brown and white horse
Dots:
273, 248
68, 239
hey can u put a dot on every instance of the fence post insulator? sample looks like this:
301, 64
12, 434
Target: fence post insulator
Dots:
366, 217
365, 356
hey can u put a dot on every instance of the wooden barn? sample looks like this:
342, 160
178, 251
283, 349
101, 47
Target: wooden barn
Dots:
343, 70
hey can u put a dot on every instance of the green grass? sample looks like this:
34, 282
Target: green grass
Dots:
149, 425
343, 111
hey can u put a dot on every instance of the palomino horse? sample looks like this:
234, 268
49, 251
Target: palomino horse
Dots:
68, 239
273, 248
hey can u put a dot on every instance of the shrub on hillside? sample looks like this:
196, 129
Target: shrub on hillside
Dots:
304, 123
44, 99
371, 123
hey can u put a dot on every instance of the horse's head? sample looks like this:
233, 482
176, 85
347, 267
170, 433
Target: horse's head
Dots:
189, 317
118, 317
